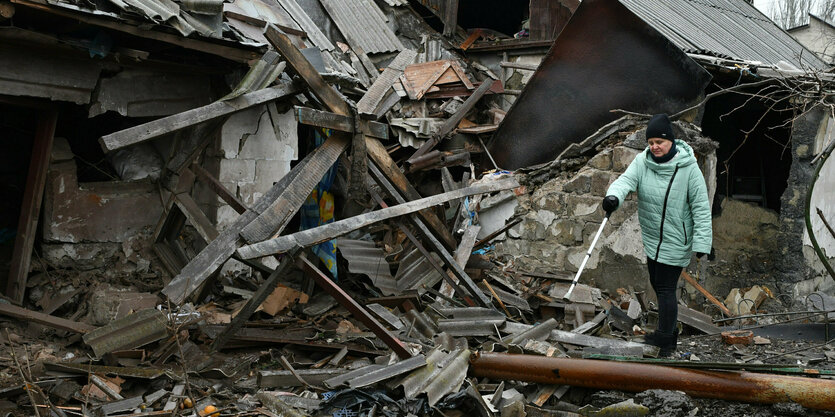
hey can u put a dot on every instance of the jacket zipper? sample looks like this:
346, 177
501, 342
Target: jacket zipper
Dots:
684, 227
664, 214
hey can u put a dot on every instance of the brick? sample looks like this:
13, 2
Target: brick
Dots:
738, 337
622, 157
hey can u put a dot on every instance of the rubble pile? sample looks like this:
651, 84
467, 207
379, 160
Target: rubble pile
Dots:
334, 237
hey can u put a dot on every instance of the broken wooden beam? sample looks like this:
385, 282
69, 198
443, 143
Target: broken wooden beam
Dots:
30, 207
175, 122
301, 66
44, 319
329, 231
218, 188
195, 273
451, 123
433, 242
272, 220
369, 102
356, 310
319, 118
708, 295
264, 290
389, 169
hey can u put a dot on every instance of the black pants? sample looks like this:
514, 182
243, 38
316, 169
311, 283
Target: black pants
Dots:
664, 279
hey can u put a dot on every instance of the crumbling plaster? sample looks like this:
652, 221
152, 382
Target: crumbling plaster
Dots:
87, 224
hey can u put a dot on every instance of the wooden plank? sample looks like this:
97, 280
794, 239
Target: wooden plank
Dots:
218, 188
175, 122
450, 18
333, 230
328, 120
462, 254
237, 54
191, 142
433, 242
219, 250
477, 130
706, 293
304, 69
196, 217
275, 217
419, 246
389, 168
45, 319
355, 308
366, 62
697, 320
264, 290
450, 124
377, 92
30, 207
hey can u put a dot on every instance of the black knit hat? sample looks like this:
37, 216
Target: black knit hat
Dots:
659, 126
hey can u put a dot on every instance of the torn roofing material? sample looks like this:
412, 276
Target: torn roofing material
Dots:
444, 373
313, 32
363, 24
724, 28
635, 68
367, 259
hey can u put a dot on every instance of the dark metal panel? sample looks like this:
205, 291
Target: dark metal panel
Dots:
605, 58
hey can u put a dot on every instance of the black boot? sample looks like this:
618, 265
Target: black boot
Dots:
667, 343
652, 339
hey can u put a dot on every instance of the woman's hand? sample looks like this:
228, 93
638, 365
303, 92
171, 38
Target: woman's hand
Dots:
610, 204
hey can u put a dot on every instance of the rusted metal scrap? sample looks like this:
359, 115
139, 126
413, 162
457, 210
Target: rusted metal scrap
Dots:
734, 386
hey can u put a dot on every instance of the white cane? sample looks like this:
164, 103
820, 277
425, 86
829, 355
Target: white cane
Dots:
567, 295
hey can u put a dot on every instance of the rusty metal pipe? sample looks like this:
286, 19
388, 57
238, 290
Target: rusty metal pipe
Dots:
726, 385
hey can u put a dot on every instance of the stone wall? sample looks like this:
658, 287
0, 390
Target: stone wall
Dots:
799, 271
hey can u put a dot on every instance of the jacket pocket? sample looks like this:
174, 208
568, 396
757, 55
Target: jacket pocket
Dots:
684, 227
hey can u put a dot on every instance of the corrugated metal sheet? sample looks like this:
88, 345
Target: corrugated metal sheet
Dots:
444, 373
363, 24
387, 372
367, 259
725, 28
313, 32
415, 271
397, 2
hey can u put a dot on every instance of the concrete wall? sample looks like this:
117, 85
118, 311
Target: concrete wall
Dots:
254, 151
86, 223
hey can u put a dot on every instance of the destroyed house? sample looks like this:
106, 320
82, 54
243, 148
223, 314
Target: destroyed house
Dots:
651, 57
360, 207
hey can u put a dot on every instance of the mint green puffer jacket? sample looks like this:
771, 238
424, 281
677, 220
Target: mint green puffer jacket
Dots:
673, 206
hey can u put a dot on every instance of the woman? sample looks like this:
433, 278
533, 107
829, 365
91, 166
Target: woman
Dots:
674, 213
